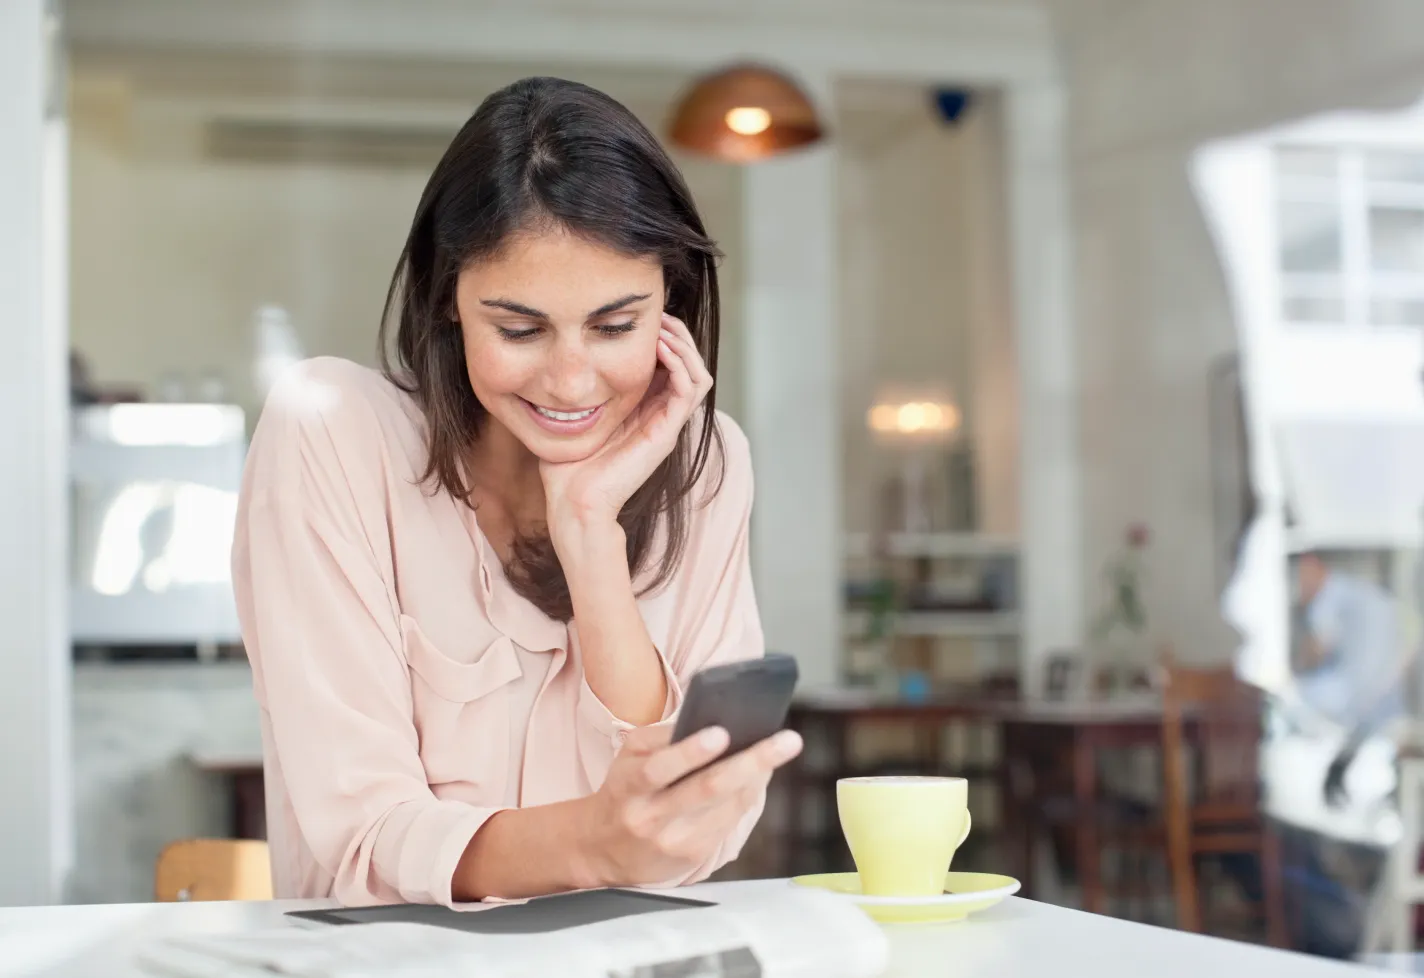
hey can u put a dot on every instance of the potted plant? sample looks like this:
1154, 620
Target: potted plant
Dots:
1119, 631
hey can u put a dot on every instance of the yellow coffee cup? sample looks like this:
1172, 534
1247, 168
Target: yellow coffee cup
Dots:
903, 831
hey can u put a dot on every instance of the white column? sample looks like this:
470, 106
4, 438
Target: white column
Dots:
1050, 505
35, 838
993, 369
792, 400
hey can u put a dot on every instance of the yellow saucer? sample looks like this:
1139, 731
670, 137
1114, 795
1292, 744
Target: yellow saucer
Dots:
964, 894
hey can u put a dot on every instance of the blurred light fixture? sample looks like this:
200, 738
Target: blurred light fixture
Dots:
747, 120
915, 418
745, 113
915, 428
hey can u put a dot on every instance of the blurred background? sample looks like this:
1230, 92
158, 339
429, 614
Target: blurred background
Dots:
1078, 343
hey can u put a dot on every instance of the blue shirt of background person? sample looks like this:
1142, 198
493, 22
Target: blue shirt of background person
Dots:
1348, 659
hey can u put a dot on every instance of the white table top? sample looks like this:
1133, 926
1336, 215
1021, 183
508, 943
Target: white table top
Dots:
1016, 939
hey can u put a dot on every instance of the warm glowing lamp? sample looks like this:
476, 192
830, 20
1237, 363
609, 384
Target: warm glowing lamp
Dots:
744, 113
914, 425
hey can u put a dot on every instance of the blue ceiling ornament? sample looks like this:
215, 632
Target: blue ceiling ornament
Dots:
951, 103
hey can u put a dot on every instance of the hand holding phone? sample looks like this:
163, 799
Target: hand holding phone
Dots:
670, 803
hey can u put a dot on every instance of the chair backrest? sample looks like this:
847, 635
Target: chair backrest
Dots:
1224, 715
213, 869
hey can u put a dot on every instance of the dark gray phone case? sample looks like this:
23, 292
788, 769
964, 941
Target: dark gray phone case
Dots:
748, 699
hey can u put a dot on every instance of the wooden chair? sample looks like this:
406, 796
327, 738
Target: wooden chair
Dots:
213, 869
1039, 781
1213, 807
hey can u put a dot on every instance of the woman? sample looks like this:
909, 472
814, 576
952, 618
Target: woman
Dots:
473, 586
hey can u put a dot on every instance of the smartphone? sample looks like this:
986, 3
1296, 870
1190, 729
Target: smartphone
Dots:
748, 699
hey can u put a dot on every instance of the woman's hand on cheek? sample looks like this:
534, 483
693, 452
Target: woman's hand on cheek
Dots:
592, 491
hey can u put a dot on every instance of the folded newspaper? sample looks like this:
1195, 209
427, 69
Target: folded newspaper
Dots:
787, 933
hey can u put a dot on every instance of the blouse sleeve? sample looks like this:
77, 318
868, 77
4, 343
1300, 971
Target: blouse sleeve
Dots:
320, 623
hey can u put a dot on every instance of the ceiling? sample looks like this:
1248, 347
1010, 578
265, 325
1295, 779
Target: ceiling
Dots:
986, 41
409, 93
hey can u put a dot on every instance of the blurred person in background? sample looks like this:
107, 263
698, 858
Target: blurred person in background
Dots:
1336, 748
1348, 656
474, 585
1348, 651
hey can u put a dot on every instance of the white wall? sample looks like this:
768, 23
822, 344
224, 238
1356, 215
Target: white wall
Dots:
969, 41
173, 253
993, 415
905, 253
136, 728
792, 358
174, 250
35, 842
1148, 82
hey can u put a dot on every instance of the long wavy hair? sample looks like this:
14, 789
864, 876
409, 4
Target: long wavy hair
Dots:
549, 153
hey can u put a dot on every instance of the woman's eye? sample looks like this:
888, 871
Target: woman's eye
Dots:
617, 329
517, 334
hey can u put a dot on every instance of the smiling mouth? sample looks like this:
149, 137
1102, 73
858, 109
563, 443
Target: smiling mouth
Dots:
570, 419
565, 415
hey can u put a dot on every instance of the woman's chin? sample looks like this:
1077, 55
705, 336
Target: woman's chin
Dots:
555, 450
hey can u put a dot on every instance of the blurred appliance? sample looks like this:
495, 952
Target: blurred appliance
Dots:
153, 501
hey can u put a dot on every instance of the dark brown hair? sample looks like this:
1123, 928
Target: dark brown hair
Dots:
545, 152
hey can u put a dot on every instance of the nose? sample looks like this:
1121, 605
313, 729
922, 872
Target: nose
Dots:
571, 378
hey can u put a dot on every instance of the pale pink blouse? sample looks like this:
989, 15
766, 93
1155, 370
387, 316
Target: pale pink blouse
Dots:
407, 693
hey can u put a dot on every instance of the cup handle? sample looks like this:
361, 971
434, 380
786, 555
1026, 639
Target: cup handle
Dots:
968, 820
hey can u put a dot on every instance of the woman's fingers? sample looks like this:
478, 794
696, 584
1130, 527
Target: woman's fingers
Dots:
679, 380
685, 346
710, 804
731, 775
641, 813
673, 355
665, 766
669, 410
697, 834
662, 823
684, 383
685, 338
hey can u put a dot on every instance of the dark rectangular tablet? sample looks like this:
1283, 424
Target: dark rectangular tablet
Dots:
538, 916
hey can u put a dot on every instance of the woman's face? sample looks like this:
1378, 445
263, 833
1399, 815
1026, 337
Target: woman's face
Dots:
560, 339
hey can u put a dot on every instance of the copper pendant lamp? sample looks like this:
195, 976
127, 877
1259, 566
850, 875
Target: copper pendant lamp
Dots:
743, 113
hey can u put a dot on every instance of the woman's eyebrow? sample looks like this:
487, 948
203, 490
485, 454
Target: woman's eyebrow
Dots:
509, 305
617, 304
521, 309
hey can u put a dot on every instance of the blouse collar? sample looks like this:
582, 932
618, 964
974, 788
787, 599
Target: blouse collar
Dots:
510, 612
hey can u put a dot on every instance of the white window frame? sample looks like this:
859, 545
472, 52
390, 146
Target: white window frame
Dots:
1357, 284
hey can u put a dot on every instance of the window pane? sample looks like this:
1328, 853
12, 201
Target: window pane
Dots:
1313, 309
1397, 312
1307, 162
1395, 167
1310, 236
1396, 239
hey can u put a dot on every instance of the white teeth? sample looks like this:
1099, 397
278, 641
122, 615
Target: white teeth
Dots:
564, 415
